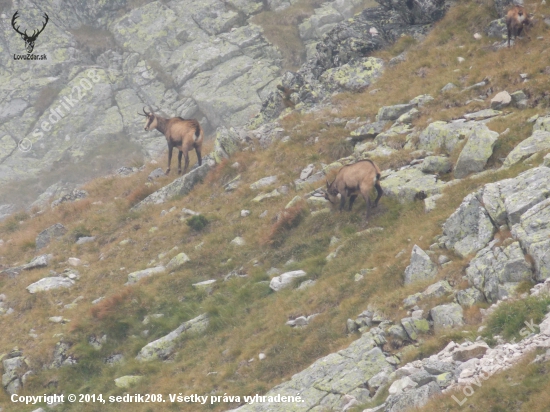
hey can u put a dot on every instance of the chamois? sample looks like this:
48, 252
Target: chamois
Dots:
184, 134
351, 179
516, 20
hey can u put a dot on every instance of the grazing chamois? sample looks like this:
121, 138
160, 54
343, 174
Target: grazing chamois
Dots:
516, 20
184, 134
353, 179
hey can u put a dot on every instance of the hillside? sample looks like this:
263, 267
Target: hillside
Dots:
174, 283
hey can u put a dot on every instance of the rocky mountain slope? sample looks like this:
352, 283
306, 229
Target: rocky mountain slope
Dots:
238, 279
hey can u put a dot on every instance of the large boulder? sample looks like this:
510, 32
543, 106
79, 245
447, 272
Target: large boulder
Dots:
507, 200
387, 113
285, 280
537, 142
54, 282
164, 347
226, 143
414, 398
476, 152
15, 368
447, 316
443, 135
497, 270
420, 268
177, 262
47, 235
407, 184
436, 164
140, 274
533, 232
179, 187
469, 228
354, 76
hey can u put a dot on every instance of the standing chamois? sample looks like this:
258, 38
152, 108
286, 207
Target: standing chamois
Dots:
353, 179
516, 21
184, 134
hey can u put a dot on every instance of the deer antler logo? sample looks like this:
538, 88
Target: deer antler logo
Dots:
29, 40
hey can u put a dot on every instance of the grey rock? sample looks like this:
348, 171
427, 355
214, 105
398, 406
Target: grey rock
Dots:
477, 350
353, 76
497, 28
176, 262
422, 378
369, 130
436, 367
164, 347
155, 174
496, 271
412, 300
85, 239
179, 187
393, 112
447, 87
537, 142
136, 276
421, 12
415, 398
73, 196
38, 262
469, 228
437, 290
420, 268
446, 136
469, 297
47, 235
61, 356
414, 327
533, 233
50, 283
501, 99
436, 164
408, 184
264, 182
285, 280
476, 152
447, 316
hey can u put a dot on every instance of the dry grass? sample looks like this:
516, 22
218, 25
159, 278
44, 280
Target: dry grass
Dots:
246, 318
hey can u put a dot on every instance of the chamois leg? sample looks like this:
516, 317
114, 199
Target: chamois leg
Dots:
509, 35
351, 200
199, 157
186, 156
367, 201
179, 162
170, 148
380, 193
342, 202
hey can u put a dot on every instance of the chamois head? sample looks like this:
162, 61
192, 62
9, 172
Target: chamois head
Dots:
151, 120
331, 194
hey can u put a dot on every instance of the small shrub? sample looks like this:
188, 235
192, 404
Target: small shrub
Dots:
286, 220
80, 231
197, 223
509, 320
339, 149
138, 194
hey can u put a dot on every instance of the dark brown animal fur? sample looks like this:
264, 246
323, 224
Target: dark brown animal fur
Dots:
286, 92
184, 134
516, 20
353, 179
